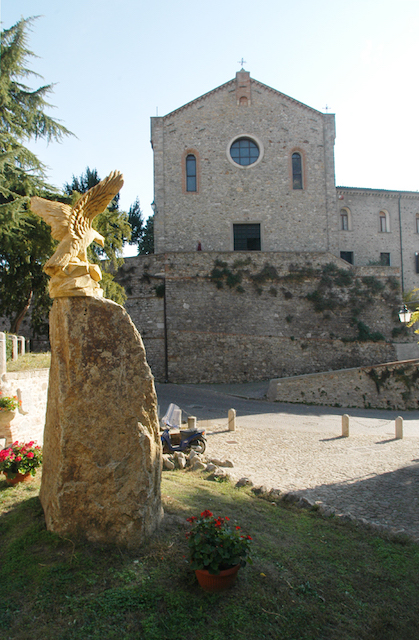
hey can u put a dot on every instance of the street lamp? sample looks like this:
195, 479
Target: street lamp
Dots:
405, 314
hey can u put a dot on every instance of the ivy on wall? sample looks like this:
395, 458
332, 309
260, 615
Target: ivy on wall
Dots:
408, 376
333, 289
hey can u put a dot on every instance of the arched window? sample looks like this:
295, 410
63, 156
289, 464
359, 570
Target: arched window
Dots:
297, 171
190, 172
345, 221
384, 222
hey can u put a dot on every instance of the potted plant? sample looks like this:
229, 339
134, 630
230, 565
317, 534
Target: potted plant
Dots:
8, 406
20, 461
217, 550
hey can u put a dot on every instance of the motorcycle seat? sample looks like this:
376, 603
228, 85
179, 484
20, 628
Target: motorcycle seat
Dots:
186, 433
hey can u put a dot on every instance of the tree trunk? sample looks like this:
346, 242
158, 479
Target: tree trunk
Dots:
18, 320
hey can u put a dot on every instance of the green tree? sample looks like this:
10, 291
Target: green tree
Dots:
25, 241
113, 225
135, 218
142, 232
146, 244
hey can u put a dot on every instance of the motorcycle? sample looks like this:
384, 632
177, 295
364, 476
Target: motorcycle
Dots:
184, 440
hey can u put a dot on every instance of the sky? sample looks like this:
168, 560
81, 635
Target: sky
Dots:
116, 64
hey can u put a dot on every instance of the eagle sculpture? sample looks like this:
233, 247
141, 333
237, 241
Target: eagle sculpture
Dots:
72, 226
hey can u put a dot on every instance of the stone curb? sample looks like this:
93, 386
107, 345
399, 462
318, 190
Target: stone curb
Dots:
326, 511
302, 502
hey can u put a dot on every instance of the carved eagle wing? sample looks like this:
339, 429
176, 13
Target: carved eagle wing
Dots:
56, 214
71, 226
94, 202
97, 199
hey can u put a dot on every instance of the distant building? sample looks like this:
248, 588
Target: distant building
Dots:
247, 168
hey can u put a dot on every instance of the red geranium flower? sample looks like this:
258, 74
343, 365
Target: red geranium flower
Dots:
215, 545
191, 519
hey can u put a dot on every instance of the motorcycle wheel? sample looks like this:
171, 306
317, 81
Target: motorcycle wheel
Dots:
198, 445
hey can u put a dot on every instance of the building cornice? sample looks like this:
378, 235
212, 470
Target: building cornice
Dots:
409, 195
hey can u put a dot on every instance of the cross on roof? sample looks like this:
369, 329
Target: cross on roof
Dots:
242, 62
326, 108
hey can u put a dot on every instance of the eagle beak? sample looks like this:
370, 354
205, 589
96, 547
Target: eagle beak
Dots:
100, 240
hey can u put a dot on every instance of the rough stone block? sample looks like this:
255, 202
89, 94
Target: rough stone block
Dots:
102, 451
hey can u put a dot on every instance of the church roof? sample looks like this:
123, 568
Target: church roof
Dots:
232, 83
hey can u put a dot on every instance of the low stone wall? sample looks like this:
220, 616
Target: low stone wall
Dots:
393, 385
32, 388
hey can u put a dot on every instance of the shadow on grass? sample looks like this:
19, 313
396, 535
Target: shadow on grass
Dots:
311, 579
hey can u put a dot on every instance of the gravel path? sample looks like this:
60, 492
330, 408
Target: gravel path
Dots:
374, 477
370, 475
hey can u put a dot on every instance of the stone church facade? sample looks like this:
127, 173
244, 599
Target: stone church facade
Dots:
263, 268
247, 167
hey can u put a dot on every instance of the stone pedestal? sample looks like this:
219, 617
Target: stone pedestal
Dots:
102, 452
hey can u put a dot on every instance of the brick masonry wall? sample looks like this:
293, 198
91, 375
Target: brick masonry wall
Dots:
33, 386
260, 328
387, 386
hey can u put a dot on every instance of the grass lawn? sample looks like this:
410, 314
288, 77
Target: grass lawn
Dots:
30, 361
312, 578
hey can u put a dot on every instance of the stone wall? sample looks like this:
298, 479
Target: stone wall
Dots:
32, 387
387, 386
234, 317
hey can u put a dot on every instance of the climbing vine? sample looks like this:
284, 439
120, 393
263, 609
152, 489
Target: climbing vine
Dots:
334, 288
401, 374
378, 379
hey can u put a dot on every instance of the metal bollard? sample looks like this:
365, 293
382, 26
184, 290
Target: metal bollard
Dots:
399, 428
192, 422
345, 425
231, 419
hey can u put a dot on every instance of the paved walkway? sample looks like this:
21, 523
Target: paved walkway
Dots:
300, 449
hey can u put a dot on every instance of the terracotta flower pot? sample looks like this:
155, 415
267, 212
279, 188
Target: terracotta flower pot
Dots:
20, 477
224, 580
6, 417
